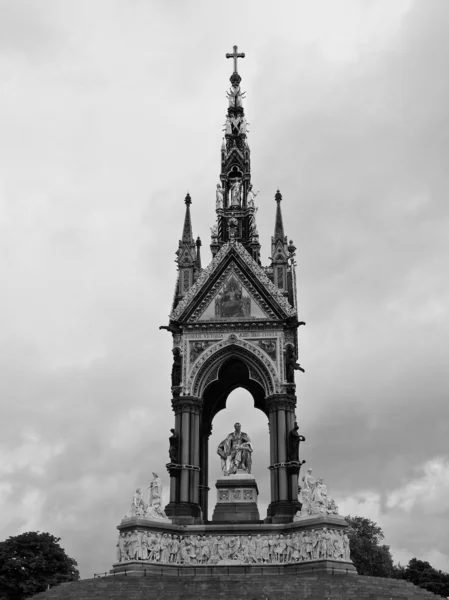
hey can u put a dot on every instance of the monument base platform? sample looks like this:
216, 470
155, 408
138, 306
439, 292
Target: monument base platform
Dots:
314, 544
238, 586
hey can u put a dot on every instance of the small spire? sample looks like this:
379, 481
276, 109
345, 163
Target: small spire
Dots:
278, 225
198, 253
187, 230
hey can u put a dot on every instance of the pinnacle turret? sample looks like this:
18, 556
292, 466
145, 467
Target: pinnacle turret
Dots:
187, 235
279, 248
187, 255
278, 225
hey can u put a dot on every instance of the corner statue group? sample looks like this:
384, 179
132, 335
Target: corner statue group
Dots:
235, 452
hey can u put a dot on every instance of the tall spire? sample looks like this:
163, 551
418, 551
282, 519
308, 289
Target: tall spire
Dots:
278, 225
187, 236
279, 248
186, 255
234, 196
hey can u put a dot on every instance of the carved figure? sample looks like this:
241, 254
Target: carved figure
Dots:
214, 230
137, 505
308, 481
319, 495
144, 545
219, 196
243, 126
250, 197
236, 193
294, 439
332, 508
290, 364
235, 452
120, 554
228, 126
154, 508
173, 449
176, 372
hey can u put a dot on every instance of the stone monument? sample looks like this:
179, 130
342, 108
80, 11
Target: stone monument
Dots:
234, 323
237, 490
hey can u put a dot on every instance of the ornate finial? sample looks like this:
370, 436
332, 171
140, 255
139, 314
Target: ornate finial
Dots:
198, 242
188, 199
278, 196
235, 55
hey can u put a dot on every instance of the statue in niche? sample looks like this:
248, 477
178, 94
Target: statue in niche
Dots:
173, 449
290, 364
176, 371
219, 196
235, 452
154, 509
250, 197
294, 439
236, 189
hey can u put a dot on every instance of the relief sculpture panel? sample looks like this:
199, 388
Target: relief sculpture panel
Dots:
167, 548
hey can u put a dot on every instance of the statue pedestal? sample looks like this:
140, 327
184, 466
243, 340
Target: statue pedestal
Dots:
236, 499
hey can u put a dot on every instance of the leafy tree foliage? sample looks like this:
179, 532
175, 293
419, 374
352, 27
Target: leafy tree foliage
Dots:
369, 556
421, 573
30, 563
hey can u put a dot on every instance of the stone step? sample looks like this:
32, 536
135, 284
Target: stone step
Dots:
248, 587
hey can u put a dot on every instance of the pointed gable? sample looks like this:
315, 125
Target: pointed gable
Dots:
233, 286
234, 300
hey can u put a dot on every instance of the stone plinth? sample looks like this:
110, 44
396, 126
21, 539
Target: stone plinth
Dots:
317, 544
236, 499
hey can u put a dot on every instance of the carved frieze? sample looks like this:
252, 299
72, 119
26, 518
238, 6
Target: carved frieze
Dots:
173, 548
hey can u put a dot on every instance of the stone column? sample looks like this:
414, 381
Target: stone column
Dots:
195, 454
185, 455
293, 471
204, 473
273, 455
184, 501
283, 504
282, 455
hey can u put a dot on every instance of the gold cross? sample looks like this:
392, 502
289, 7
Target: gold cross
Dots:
235, 55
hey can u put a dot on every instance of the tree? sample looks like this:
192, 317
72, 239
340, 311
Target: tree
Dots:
421, 573
368, 555
30, 563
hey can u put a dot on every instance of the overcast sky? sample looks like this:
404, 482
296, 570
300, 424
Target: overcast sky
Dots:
110, 111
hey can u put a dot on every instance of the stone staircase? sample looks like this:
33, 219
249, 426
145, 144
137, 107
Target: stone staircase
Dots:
234, 587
